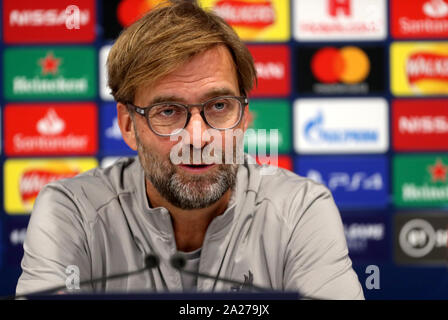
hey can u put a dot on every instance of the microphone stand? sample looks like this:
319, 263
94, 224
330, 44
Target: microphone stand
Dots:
151, 261
179, 262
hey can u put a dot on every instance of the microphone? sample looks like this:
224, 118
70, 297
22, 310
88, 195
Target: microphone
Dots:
178, 262
151, 261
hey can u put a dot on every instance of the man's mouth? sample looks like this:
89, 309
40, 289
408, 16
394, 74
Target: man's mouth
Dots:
196, 168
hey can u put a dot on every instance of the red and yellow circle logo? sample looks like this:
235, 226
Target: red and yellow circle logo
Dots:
129, 11
349, 65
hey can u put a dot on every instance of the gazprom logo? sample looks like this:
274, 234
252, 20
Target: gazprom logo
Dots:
341, 125
316, 132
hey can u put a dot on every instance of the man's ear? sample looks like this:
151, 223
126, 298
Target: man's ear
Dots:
126, 126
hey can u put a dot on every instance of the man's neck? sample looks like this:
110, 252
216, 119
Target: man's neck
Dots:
189, 226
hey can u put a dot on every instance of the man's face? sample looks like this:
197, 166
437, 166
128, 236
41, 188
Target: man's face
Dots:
207, 75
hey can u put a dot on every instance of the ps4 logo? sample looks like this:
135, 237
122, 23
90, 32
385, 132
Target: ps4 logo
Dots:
350, 183
315, 132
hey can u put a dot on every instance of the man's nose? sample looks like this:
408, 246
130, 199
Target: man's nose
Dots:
196, 129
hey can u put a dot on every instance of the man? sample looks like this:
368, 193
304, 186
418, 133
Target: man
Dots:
183, 70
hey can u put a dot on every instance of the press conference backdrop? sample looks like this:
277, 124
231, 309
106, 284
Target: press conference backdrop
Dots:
357, 89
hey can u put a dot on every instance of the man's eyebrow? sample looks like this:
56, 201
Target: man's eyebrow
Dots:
218, 92
170, 98
211, 94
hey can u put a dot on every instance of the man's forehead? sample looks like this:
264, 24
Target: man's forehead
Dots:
215, 92
212, 65
217, 57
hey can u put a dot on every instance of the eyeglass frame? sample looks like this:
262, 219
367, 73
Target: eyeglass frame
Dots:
243, 100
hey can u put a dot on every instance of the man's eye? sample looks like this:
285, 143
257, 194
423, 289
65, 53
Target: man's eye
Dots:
219, 105
167, 112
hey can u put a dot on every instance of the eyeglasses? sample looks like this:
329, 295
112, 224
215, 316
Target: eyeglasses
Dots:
169, 118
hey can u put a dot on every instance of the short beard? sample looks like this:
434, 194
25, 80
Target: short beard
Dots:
183, 190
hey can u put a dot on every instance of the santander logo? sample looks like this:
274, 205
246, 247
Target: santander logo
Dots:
435, 9
51, 124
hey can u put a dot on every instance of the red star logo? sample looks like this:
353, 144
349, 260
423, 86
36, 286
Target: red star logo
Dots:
438, 171
49, 64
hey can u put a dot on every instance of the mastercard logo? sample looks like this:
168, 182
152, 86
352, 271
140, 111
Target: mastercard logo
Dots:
129, 11
349, 65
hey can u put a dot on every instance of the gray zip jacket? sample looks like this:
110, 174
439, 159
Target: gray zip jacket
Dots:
282, 231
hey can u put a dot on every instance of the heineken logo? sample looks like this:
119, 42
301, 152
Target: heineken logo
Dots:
438, 171
421, 180
46, 73
49, 64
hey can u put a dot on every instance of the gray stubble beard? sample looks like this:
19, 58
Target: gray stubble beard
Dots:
186, 191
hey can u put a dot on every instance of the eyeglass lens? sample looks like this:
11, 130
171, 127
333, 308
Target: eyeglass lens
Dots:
220, 113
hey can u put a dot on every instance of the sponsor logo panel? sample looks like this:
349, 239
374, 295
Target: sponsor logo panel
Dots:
254, 20
367, 237
419, 68
104, 88
420, 125
44, 129
323, 20
419, 19
322, 125
1, 124
420, 180
112, 142
119, 14
340, 70
272, 63
14, 236
283, 161
55, 21
273, 70
421, 238
266, 116
2, 243
49, 73
354, 181
24, 178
